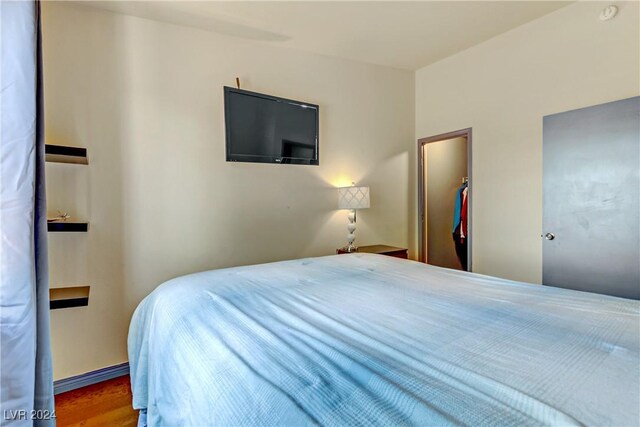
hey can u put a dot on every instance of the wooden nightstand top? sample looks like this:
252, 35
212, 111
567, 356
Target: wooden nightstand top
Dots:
380, 249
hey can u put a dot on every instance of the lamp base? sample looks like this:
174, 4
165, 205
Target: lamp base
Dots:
349, 248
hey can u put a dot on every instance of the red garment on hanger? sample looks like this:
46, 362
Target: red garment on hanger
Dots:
464, 215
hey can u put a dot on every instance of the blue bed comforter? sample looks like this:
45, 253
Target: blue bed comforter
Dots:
371, 340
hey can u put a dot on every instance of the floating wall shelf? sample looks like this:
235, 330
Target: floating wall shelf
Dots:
67, 226
77, 296
63, 154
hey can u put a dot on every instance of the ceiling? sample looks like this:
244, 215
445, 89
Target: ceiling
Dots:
399, 34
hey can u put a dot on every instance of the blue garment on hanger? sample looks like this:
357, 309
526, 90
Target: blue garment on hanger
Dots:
456, 211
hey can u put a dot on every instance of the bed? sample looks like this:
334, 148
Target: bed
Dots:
365, 339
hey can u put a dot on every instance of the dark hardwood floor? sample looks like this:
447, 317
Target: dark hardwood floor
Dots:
104, 404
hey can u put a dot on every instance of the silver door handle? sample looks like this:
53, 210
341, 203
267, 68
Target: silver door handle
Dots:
549, 236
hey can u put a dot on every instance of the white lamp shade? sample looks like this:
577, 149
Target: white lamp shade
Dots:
353, 197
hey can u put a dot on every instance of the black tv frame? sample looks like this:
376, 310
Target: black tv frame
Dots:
268, 159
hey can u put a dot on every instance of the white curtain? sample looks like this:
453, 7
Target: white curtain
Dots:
26, 388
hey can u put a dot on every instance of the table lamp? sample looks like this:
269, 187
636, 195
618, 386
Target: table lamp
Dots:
352, 198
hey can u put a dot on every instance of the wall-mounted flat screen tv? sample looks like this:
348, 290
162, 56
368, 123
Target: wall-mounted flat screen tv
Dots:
266, 129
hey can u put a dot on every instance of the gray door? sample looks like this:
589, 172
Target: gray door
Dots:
591, 209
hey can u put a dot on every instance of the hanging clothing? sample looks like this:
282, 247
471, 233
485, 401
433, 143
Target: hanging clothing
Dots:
464, 214
461, 251
460, 224
458, 207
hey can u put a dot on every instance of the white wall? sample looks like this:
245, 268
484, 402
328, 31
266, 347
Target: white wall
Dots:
146, 99
502, 88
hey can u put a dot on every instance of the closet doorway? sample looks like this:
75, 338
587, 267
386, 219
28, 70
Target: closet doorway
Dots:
444, 200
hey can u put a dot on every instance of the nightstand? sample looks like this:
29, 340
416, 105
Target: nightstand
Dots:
380, 249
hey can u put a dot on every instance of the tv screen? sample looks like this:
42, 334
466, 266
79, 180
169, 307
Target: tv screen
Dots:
266, 129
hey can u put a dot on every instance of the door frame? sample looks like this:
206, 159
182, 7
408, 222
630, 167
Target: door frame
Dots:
422, 253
